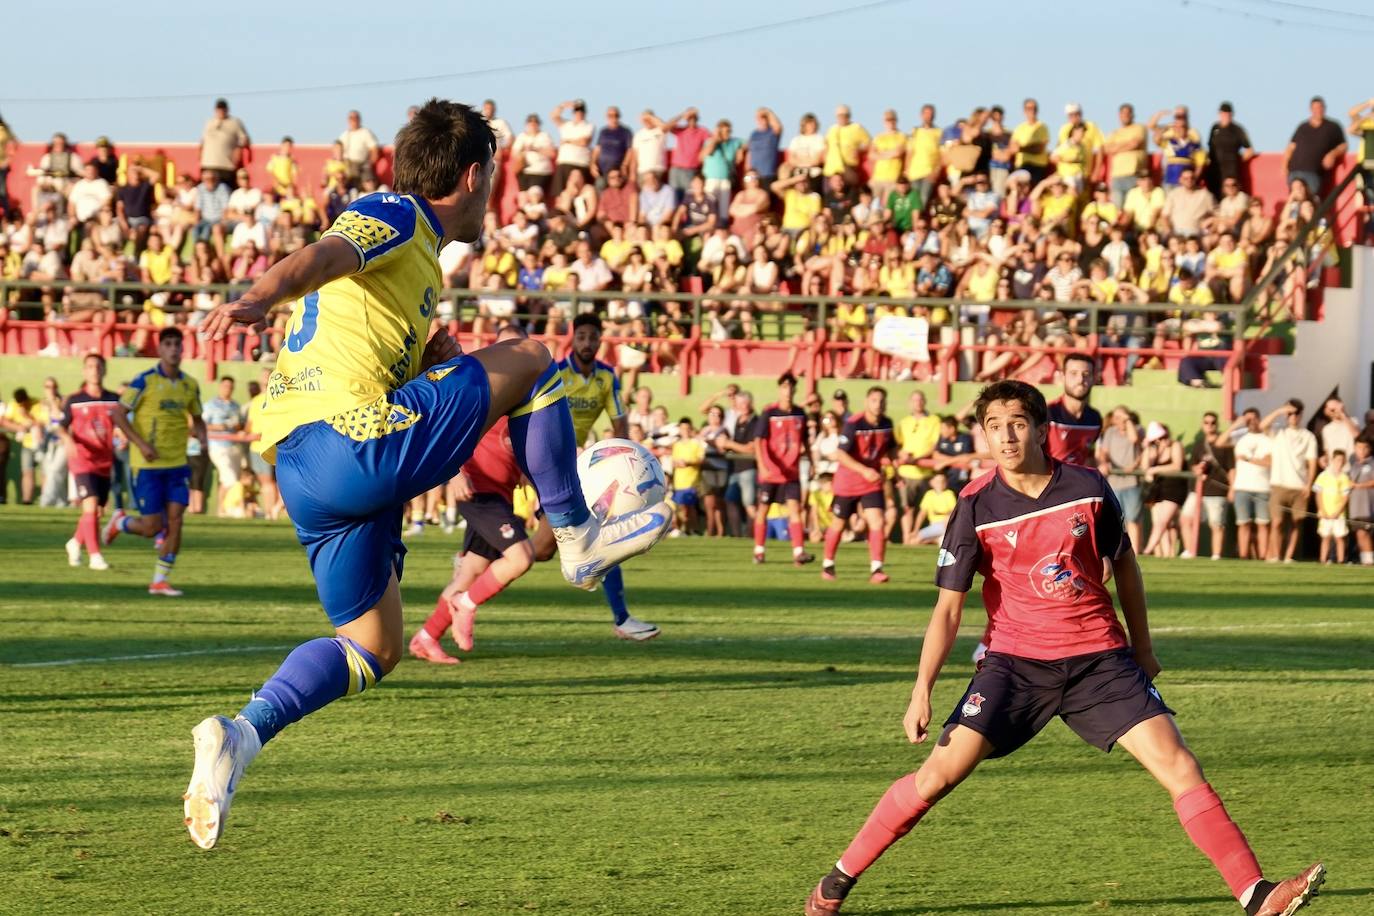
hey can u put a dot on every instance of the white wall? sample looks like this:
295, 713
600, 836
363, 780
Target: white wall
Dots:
1336, 351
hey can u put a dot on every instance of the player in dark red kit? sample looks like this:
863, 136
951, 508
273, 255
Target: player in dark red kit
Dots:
89, 417
867, 446
1073, 425
1038, 530
779, 441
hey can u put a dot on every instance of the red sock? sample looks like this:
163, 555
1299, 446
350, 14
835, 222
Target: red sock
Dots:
442, 618
798, 536
900, 809
1211, 829
485, 588
87, 532
832, 542
760, 526
877, 545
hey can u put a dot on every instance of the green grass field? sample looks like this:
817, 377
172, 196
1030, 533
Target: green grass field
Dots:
719, 769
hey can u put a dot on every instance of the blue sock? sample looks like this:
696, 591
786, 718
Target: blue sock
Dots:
541, 433
315, 674
613, 584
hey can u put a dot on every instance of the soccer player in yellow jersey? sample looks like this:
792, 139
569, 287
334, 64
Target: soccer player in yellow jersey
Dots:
164, 404
364, 413
592, 389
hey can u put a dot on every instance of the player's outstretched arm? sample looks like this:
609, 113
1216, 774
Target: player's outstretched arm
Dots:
1130, 592
939, 639
295, 275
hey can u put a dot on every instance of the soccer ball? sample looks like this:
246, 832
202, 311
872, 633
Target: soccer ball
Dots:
620, 477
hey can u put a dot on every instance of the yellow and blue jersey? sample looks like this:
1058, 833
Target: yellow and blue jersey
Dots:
355, 340
589, 395
160, 406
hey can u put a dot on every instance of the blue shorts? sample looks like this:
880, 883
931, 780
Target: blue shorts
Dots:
154, 488
685, 497
347, 498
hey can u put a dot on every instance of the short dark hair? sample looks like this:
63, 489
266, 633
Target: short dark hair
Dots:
226, 378
437, 146
1012, 390
876, 388
1295, 404
787, 378
1338, 453
172, 333
94, 355
1081, 357
681, 420
587, 319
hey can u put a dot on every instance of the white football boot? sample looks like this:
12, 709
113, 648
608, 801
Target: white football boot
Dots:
635, 629
587, 552
73, 552
224, 748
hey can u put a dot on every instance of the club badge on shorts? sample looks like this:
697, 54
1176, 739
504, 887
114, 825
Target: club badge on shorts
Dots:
973, 705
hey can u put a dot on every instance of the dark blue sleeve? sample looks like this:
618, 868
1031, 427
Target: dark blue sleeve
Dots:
961, 552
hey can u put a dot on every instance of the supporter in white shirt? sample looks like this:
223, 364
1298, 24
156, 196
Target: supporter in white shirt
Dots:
246, 231
1295, 448
592, 272
360, 147
499, 127
533, 150
574, 135
650, 146
88, 194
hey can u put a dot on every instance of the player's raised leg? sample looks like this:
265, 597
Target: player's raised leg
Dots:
1159, 747
526, 385
900, 809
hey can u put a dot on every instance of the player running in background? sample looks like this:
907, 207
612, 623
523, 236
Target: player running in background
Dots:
165, 405
592, 388
496, 547
867, 445
779, 443
1038, 530
87, 429
363, 415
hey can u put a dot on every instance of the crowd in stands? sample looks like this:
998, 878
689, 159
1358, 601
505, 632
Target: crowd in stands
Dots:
980, 209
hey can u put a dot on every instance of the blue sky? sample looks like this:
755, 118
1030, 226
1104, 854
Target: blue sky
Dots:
1154, 54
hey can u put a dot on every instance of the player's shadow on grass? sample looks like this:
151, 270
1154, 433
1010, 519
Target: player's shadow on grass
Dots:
1115, 904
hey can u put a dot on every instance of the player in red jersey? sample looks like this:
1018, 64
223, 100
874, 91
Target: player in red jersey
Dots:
1073, 425
779, 441
1038, 530
89, 417
867, 446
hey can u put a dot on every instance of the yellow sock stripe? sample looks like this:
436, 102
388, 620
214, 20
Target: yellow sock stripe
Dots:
550, 394
360, 674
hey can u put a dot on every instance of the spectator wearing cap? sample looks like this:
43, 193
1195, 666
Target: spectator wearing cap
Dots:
1030, 143
1180, 146
360, 149
106, 162
612, 147
846, 143
1317, 147
762, 151
684, 160
1228, 149
1093, 140
1187, 205
223, 141
1126, 153
533, 152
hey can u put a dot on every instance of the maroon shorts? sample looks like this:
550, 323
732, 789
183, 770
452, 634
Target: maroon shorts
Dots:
492, 527
843, 506
1101, 696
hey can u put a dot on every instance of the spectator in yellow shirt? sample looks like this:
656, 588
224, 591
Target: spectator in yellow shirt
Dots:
1030, 143
800, 204
241, 498
818, 507
1127, 154
688, 454
846, 142
937, 505
283, 170
1072, 160
889, 150
1332, 489
923, 154
916, 435
1145, 202
1092, 138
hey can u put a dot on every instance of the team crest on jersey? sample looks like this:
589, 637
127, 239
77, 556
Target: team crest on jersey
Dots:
973, 705
945, 558
1058, 578
1078, 524
507, 531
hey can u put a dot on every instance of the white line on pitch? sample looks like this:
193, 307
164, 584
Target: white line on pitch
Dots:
698, 640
